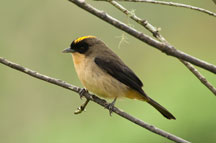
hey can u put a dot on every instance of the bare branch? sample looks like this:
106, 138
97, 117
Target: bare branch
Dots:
144, 23
82, 107
171, 4
157, 35
200, 77
93, 98
168, 49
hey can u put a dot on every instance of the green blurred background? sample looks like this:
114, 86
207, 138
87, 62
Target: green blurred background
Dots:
33, 34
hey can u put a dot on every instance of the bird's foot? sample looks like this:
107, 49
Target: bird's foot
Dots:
110, 106
82, 92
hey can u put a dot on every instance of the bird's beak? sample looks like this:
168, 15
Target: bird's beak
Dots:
68, 50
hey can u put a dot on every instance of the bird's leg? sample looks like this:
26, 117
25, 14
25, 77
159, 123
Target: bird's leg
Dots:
111, 105
82, 92
82, 107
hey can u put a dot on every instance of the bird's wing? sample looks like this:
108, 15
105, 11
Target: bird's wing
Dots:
121, 72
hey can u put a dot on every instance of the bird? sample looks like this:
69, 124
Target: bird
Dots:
102, 72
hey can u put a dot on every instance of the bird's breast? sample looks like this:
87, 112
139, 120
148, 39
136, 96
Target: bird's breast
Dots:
96, 80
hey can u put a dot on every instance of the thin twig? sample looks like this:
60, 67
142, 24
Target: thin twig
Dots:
144, 23
81, 108
93, 98
171, 4
168, 49
200, 77
157, 35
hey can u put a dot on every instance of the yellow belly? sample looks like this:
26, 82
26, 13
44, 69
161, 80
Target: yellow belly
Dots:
99, 82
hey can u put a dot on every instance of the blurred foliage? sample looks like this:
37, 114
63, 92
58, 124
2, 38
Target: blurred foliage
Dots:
33, 34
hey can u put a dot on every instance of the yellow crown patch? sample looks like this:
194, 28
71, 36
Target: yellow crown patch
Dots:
82, 38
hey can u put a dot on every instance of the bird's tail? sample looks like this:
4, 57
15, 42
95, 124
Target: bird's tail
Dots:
143, 97
161, 109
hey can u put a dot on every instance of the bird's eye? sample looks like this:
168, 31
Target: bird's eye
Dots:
82, 48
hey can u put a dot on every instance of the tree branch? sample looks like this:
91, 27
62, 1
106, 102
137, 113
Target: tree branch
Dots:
168, 49
170, 4
142, 22
157, 35
93, 98
200, 77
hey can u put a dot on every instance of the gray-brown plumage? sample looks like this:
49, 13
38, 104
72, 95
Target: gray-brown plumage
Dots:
102, 72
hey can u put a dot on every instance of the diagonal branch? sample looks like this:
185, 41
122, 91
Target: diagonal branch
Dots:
171, 4
92, 98
168, 49
157, 35
200, 77
142, 22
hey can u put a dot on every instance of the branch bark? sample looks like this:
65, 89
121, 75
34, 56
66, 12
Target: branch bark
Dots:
202, 10
200, 77
168, 49
93, 98
157, 35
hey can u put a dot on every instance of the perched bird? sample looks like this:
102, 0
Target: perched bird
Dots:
102, 72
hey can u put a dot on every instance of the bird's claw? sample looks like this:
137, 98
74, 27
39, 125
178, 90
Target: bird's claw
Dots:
110, 106
82, 92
